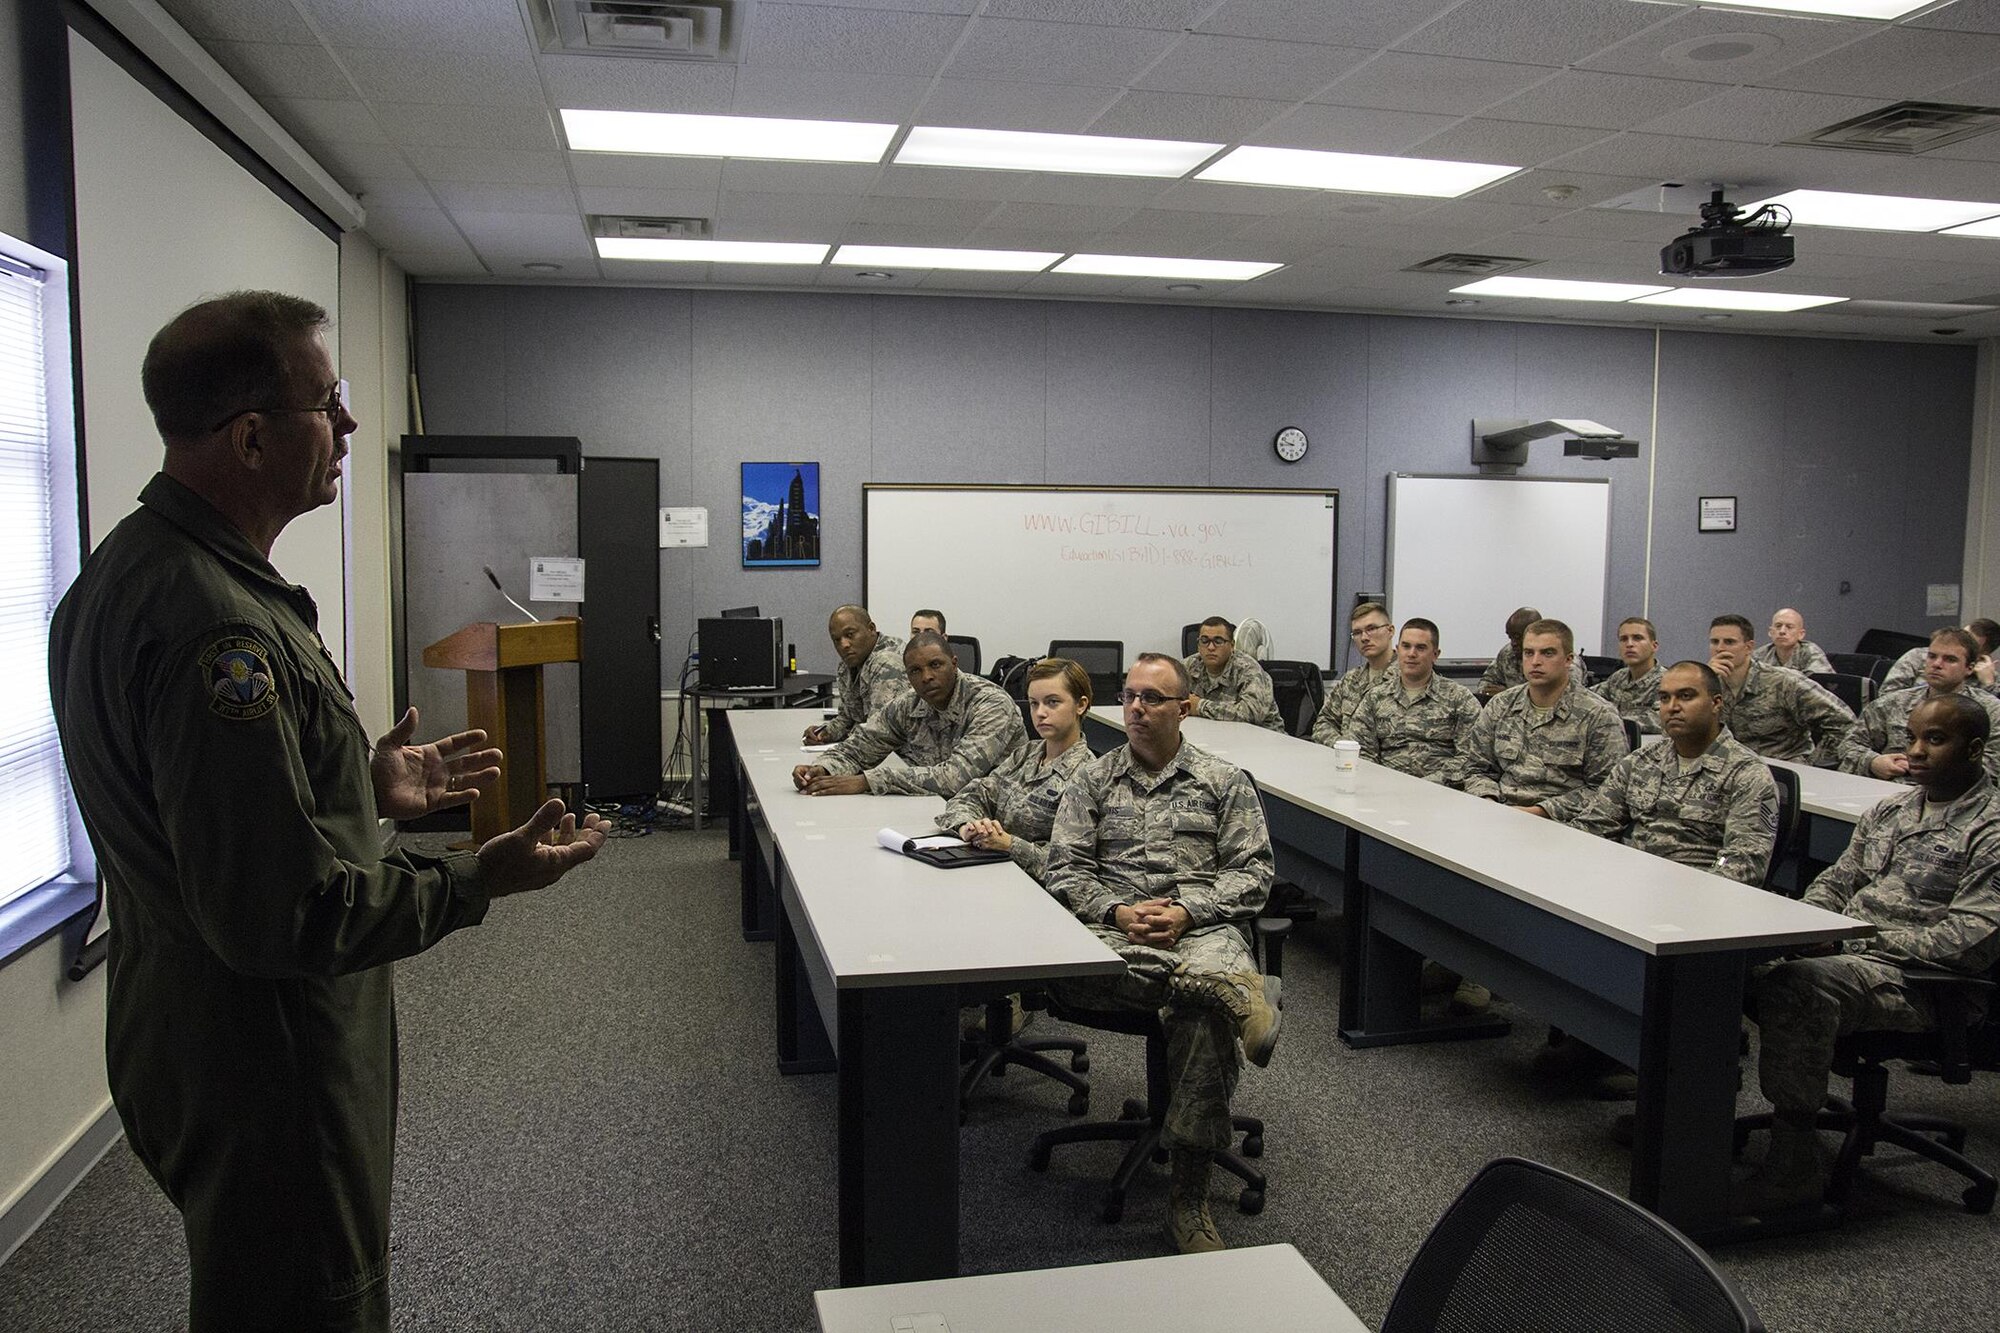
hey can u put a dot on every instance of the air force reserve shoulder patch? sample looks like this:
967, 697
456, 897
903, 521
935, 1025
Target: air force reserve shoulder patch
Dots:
238, 672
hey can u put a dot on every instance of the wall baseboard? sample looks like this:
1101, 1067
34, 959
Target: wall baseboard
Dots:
70, 1166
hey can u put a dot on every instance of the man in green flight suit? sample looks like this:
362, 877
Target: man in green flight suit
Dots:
234, 801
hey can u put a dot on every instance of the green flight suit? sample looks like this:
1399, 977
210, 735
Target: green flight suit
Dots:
251, 1043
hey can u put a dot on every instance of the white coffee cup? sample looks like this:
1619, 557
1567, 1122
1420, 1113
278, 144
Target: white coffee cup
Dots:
1346, 761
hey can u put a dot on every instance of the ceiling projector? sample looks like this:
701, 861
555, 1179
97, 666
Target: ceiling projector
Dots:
1729, 243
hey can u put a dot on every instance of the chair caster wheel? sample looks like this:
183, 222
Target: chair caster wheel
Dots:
1113, 1210
1250, 1202
1079, 1102
1979, 1199
1132, 1110
1079, 1064
1038, 1158
1253, 1145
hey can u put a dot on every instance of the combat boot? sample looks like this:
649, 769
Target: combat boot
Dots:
1792, 1176
1190, 1226
1240, 997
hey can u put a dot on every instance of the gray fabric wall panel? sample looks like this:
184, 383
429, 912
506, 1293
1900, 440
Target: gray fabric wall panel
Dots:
960, 390
1827, 443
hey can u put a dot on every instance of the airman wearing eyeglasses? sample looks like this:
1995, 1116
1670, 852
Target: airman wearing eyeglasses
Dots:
1374, 636
1229, 686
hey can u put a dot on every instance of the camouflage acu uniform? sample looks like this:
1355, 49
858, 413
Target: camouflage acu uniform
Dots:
1806, 657
1908, 671
1242, 693
1720, 815
1926, 878
1506, 755
1336, 713
1782, 715
1022, 794
1637, 698
944, 750
1416, 733
1193, 833
1504, 671
1884, 728
866, 690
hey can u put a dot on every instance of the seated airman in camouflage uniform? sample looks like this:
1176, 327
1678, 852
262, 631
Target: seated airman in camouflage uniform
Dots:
1909, 668
1775, 711
1790, 648
1374, 635
870, 677
1013, 808
951, 729
1161, 848
1876, 745
1505, 671
1548, 744
1921, 868
1412, 723
1229, 686
1634, 689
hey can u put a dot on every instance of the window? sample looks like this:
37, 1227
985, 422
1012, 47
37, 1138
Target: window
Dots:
34, 791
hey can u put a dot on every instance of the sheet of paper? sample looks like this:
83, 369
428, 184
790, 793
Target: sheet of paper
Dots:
902, 842
555, 578
684, 526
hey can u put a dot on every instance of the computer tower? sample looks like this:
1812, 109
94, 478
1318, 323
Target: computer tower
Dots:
742, 654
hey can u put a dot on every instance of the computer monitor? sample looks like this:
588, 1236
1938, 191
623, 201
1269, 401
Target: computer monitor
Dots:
741, 613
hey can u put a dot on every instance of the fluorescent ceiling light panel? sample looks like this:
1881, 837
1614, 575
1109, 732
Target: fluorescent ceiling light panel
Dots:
676, 135
1701, 298
1359, 173
1153, 266
1083, 154
1845, 9
1875, 212
711, 252
1559, 289
925, 256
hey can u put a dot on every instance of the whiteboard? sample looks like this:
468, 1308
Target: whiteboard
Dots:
1017, 566
1466, 551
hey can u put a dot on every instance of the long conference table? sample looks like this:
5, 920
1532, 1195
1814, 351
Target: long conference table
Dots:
875, 954
1641, 957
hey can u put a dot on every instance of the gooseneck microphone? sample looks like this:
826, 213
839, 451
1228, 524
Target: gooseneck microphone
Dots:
494, 579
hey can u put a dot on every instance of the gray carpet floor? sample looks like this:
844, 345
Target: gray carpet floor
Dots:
594, 1137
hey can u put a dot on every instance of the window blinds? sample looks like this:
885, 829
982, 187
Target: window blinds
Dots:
34, 799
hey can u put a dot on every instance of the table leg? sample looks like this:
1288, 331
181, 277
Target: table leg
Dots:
1683, 1137
803, 1047
898, 1134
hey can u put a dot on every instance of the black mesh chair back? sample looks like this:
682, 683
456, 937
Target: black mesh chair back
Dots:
1300, 690
967, 650
1790, 815
1601, 668
1855, 664
1890, 643
1880, 671
1631, 734
1529, 1249
1854, 691
1189, 635
1102, 659
1011, 675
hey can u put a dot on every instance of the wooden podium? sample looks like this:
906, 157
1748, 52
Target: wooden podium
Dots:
503, 697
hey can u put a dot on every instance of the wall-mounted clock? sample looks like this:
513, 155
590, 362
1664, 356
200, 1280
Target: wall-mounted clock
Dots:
1291, 444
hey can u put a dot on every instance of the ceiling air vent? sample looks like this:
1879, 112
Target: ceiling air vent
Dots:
1471, 266
1906, 127
649, 229
640, 29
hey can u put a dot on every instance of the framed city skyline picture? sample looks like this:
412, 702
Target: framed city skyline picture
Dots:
780, 515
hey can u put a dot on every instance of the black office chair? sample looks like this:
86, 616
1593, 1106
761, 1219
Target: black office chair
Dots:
1189, 636
1601, 668
1890, 643
1880, 671
1856, 664
1102, 659
1300, 690
1854, 691
1791, 817
1529, 1249
1000, 1047
1632, 733
1011, 675
966, 649
1957, 1047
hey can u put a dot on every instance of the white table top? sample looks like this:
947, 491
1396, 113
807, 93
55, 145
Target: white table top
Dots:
1655, 905
1836, 795
882, 919
1268, 1288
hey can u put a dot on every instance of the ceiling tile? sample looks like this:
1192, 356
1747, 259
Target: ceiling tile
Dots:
462, 25
864, 41
1247, 67
316, 120
1670, 158
488, 166
1347, 129
1758, 115
903, 233
232, 20
1961, 16
765, 275
906, 6
1343, 22
418, 125
634, 171
1724, 45
523, 236
267, 69
1051, 188
1896, 63
1437, 85
1063, 239
1155, 115
1528, 187
379, 192
412, 229
1600, 101
831, 178
1544, 32
851, 280
826, 211
1055, 217
823, 95
1056, 52
603, 83
1174, 14
1072, 285
1505, 142
476, 77
997, 104
645, 203
974, 282
944, 214
948, 183
459, 263
355, 161
1226, 197
506, 199
1189, 224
